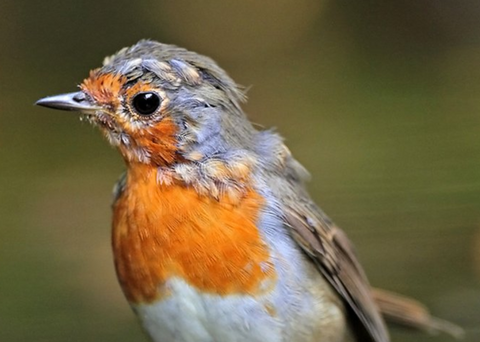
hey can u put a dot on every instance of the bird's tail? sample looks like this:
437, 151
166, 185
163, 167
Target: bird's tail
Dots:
408, 312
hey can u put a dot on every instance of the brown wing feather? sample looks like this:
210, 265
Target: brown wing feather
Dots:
330, 249
410, 313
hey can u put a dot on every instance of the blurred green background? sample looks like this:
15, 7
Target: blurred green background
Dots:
378, 99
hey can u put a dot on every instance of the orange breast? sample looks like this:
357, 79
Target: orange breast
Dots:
163, 231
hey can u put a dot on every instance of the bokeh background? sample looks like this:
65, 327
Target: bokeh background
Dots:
378, 99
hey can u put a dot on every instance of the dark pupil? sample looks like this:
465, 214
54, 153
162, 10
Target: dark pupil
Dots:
146, 103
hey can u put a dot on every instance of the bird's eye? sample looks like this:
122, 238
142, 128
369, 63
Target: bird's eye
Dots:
146, 103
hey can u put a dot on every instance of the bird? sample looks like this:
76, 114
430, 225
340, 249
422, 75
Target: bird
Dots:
214, 235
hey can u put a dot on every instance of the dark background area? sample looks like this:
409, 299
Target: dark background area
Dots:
378, 99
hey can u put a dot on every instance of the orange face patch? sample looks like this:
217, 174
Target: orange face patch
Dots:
160, 232
104, 88
159, 140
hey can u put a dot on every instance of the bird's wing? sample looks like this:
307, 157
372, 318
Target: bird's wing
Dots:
408, 312
332, 252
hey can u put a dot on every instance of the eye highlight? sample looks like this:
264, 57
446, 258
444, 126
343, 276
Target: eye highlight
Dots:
146, 103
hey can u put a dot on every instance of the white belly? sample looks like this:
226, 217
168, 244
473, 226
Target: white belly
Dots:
189, 316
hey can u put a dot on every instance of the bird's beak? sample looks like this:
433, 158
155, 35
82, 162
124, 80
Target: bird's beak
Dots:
72, 101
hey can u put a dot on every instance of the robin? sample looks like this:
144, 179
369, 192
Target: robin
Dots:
215, 237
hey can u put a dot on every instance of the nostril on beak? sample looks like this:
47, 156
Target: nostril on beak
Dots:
79, 97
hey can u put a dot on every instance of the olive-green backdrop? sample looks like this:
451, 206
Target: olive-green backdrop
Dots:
378, 99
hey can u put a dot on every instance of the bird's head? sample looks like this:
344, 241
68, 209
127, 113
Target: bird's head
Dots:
160, 104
